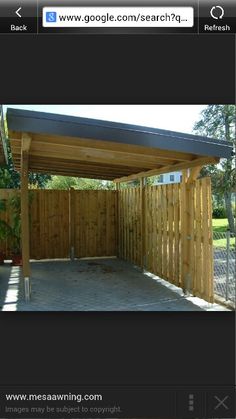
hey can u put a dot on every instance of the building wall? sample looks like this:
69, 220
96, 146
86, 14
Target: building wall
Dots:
172, 177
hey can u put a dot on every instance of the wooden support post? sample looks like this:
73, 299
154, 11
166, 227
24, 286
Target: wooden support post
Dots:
25, 145
143, 223
72, 222
193, 174
117, 187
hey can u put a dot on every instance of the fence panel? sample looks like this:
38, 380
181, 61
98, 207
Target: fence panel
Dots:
224, 266
129, 211
49, 224
95, 223
166, 238
94, 218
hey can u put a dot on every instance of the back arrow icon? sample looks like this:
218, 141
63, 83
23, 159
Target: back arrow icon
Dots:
17, 12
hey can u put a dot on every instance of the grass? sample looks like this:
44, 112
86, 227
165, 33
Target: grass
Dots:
220, 225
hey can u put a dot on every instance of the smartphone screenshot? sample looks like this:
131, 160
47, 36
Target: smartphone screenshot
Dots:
117, 209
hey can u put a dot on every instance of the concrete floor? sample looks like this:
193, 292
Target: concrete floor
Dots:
92, 285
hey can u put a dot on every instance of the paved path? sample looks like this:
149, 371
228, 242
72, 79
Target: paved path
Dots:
89, 285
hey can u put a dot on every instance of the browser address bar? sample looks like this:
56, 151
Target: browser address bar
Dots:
114, 17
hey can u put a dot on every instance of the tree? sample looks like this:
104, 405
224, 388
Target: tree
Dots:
67, 182
10, 178
218, 121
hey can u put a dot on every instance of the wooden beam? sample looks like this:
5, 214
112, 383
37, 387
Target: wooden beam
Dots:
93, 155
72, 174
25, 217
76, 171
104, 145
79, 164
172, 168
194, 172
25, 142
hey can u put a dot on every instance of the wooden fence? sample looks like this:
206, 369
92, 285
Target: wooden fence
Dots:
59, 220
94, 214
164, 229
152, 234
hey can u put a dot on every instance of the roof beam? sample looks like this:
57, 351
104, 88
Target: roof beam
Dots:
105, 145
80, 175
172, 168
75, 171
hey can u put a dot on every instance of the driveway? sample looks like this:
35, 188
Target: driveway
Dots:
92, 285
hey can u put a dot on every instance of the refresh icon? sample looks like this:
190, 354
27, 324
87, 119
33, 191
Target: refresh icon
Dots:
217, 12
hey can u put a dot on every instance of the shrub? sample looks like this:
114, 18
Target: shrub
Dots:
219, 212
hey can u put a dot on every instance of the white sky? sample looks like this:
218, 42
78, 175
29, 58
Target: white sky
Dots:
171, 117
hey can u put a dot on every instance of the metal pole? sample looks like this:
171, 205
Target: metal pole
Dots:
227, 264
27, 289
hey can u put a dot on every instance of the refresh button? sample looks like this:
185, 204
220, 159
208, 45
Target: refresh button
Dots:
217, 12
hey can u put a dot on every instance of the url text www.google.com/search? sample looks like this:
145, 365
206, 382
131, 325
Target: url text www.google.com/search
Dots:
118, 17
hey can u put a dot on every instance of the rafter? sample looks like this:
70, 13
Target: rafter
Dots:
172, 168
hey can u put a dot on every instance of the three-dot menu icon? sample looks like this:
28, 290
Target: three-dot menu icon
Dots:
191, 402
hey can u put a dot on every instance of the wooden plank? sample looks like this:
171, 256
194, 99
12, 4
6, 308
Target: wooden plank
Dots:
171, 168
176, 233
122, 222
164, 209
191, 235
128, 214
160, 229
155, 229
125, 223
143, 222
170, 231
44, 139
72, 221
207, 242
137, 226
199, 286
184, 241
86, 154
151, 235
131, 243
211, 250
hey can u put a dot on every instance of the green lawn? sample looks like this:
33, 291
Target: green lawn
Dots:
220, 226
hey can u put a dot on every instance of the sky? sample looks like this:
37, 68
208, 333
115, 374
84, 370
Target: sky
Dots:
171, 117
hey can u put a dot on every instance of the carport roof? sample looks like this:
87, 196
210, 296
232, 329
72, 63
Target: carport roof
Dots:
82, 147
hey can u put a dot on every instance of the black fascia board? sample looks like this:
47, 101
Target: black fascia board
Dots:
71, 126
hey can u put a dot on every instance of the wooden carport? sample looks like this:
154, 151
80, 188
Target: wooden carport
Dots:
80, 147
